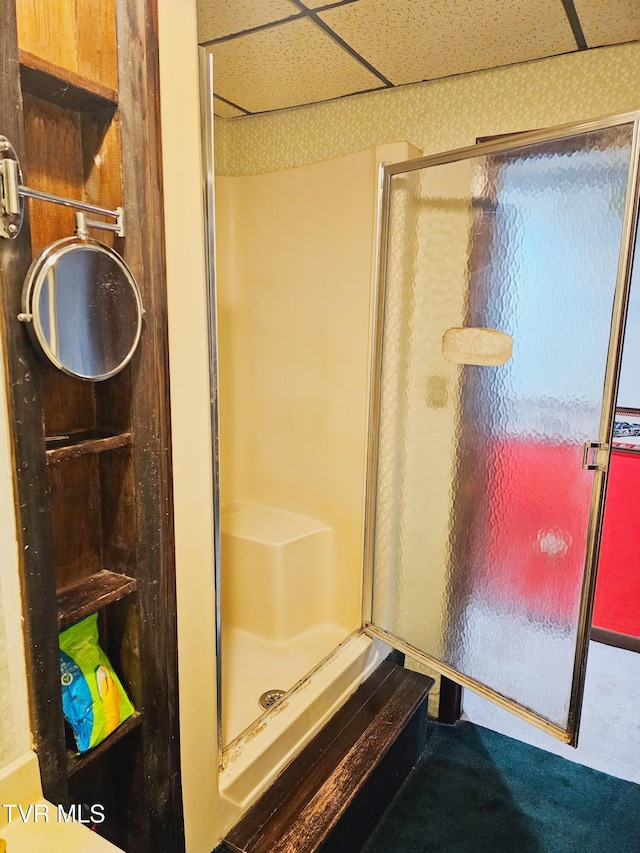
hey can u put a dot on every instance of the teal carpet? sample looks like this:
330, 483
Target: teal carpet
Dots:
476, 791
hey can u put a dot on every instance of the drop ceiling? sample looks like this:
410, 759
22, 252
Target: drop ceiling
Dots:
274, 54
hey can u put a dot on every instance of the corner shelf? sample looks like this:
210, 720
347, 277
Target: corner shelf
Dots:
61, 448
76, 761
89, 594
63, 87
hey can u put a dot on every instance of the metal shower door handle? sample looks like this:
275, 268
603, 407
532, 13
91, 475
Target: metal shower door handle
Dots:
595, 456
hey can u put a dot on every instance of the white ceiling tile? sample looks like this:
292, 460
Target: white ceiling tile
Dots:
225, 110
318, 4
284, 66
609, 21
426, 39
217, 18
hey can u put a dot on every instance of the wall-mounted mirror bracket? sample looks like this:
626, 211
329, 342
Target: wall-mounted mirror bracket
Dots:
13, 191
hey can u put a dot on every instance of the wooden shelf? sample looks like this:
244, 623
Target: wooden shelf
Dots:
65, 88
61, 448
76, 761
85, 596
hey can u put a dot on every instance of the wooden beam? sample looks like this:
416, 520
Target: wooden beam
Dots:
142, 184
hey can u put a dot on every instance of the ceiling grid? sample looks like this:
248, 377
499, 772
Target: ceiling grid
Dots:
276, 54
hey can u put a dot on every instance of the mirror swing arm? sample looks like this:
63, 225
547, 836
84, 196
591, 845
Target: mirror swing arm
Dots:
12, 191
80, 301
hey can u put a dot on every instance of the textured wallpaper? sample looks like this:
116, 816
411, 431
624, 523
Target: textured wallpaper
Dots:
14, 722
438, 115
8, 745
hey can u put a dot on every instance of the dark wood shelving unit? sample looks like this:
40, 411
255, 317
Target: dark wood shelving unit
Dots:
78, 761
87, 595
79, 100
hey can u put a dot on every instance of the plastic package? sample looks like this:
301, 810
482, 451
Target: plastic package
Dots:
94, 701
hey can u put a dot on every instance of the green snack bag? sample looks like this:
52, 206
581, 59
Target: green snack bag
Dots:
93, 699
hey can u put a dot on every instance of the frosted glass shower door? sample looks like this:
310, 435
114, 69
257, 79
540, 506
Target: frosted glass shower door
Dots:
485, 495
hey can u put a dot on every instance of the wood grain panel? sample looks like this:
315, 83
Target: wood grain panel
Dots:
48, 29
118, 494
320, 815
69, 404
132, 787
155, 569
130, 655
73, 34
76, 519
102, 169
101, 165
53, 164
113, 398
92, 781
96, 39
359, 820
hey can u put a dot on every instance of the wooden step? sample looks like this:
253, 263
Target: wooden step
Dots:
331, 795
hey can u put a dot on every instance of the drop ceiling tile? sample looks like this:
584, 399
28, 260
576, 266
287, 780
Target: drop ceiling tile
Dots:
426, 39
225, 110
284, 66
318, 4
217, 18
609, 22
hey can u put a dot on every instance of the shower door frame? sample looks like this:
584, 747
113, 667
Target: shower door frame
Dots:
206, 71
514, 141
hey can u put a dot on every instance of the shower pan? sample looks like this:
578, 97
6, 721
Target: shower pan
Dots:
491, 343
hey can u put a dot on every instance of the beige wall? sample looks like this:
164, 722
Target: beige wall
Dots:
293, 286
204, 811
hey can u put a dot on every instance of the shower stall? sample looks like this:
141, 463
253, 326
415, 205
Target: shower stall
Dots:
293, 288
415, 369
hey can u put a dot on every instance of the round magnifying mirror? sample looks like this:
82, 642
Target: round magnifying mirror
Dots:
84, 306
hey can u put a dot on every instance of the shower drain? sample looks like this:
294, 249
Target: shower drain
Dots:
270, 698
